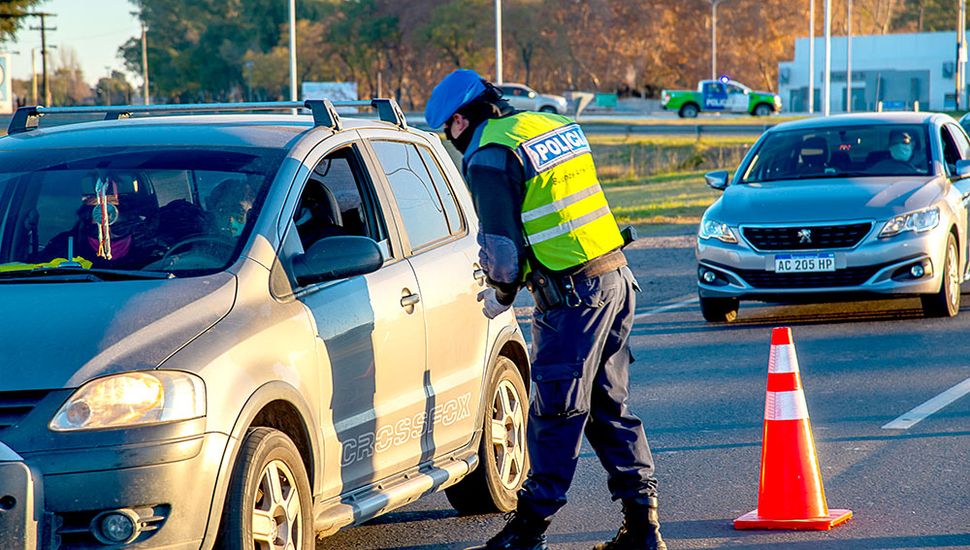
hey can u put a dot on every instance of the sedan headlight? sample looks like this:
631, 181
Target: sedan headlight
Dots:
711, 229
130, 399
919, 221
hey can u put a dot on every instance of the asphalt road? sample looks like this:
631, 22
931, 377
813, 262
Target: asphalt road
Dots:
700, 390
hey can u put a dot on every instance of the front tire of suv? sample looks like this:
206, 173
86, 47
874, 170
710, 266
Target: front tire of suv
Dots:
946, 302
719, 310
503, 459
548, 109
269, 505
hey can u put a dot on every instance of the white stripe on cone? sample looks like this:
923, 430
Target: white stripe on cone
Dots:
786, 405
782, 359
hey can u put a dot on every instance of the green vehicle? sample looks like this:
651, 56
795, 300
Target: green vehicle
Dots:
722, 95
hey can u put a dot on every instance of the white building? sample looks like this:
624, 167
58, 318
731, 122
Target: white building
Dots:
897, 69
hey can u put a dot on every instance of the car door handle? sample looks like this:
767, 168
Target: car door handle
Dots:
410, 300
479, 275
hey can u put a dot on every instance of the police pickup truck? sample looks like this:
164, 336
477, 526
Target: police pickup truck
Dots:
722, 95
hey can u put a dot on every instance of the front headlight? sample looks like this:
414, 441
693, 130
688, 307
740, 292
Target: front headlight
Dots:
130, 399
919, 221
710, 229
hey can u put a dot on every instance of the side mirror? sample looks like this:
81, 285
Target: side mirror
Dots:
333, 258
962, 169
717, 180
532, 95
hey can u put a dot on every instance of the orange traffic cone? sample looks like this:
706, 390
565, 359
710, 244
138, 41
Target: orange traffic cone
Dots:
790, 493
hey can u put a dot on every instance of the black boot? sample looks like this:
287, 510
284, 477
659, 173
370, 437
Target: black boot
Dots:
640, 529
523, 531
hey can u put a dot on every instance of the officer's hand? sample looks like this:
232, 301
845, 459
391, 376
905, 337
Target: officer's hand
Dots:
491, 306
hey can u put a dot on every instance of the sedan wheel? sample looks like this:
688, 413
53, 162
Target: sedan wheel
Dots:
946, 302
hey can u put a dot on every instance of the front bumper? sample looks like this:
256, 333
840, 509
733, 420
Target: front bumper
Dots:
21, 496
873, 267
166, 486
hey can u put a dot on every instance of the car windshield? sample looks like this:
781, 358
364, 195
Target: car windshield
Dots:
858, 151
177, 211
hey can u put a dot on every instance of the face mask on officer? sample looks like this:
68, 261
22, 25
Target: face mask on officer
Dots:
463, 139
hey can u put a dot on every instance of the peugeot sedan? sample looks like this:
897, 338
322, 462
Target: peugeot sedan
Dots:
840, 208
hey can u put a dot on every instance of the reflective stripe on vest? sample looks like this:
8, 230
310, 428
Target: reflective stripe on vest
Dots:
566, 218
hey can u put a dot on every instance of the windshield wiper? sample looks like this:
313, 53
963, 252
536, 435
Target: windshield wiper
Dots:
102, 274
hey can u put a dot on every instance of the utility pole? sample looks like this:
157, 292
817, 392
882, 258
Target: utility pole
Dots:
43, 51
146, 95
961, 72
714, 4
827, 76
33, 75
848, 56
498, 41
811, 56
293, 95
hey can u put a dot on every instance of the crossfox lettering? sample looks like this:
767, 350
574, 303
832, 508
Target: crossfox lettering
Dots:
365, 445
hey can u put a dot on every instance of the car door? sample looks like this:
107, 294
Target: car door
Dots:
444, 255
715, 96
370, 329
737, 99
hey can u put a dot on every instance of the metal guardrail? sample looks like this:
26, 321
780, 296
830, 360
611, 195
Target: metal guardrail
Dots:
324, 111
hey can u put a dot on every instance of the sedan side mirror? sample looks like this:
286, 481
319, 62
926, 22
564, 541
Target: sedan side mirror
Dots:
717, 180
333, 258
962, 169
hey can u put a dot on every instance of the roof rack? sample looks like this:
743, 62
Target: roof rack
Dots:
323, 110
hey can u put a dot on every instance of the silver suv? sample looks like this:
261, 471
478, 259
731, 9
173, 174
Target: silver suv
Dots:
242, 330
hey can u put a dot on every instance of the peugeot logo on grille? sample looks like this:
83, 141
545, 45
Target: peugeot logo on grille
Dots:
804, 236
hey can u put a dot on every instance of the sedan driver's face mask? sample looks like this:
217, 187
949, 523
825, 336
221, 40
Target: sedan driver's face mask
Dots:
901, 151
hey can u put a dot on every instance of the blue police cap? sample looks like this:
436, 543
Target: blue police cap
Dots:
454, 92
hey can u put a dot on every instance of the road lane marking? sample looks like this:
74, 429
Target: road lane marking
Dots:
913, 417
662, 309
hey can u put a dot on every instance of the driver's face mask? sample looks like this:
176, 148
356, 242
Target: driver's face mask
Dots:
236, 226
901, 151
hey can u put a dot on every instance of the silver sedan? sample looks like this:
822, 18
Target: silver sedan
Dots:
840, 208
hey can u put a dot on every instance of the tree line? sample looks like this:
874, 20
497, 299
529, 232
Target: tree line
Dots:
233, 50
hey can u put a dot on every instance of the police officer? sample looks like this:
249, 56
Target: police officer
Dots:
545, 224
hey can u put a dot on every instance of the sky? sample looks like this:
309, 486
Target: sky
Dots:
95, 29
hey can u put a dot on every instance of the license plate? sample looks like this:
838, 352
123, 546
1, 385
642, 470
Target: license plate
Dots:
804, 263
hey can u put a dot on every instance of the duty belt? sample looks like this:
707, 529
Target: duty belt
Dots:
555, 289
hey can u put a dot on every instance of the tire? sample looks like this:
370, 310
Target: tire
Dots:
548, 109
268, 462
762, 109
689, 110
490, 488
946, 302
719, 310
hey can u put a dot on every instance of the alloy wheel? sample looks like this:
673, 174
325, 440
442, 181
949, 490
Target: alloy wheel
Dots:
953, 278
277, 520
508, 434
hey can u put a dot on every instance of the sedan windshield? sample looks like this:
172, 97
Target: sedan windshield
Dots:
128, 210
859, 151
